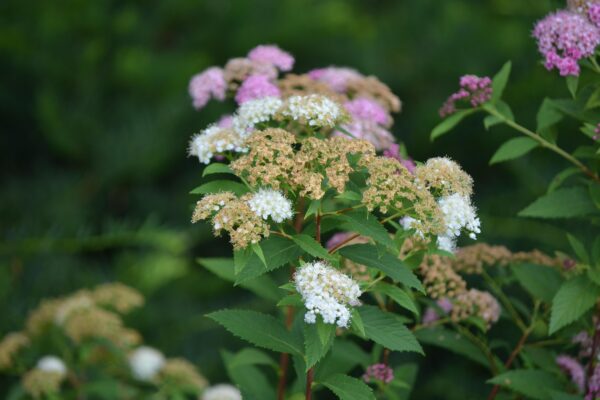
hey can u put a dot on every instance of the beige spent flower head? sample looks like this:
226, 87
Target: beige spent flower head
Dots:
181, 372
476, 303
444, 177
117, 296
472, 259
96, 322
303, 85
80, 300
439, 278
10, 345
371, 87
39, 383
42, 317
270, 158
209, 205
313, 110
535, 257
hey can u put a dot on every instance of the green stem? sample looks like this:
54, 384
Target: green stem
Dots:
482, 346
505, 301
543, 142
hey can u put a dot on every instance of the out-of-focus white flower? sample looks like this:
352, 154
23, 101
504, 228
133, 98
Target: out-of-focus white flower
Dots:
145, 362
271, 203
326, 292
458, 214
253, 112
314, 110
213, 140
222, 391
52, 364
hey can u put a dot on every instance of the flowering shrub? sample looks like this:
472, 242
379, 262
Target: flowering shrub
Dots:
356, 244
79, 347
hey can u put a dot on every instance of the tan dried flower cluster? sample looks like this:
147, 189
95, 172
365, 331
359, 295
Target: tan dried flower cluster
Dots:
445, 177
238, 69
95, 322
39, 383
302, 85
182, 373
117, 296
10, 346
439, 279
478, 303
371, 87
232, 215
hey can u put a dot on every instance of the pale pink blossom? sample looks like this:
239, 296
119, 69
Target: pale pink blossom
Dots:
270, 54
206, 85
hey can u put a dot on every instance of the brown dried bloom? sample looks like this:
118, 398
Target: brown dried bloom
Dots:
209, 205
439, 278
182, 373
301, 85
118, 297
238, 69
243, 225
536, 257
444, 175
77, 301
373, 88
38, 383
42, 316
579, 6
10, 346
476, 303
98, 323
270, 159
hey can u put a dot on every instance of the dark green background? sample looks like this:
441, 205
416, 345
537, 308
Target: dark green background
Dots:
95, 119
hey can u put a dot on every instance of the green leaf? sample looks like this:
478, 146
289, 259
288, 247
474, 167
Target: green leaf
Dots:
221, 186
504, 109
262, 286
500, 80
314, 346
365, 223
573, 299
348, 388
312, 247
217, 168
555, 395
572, 83
447, 124
357, 324
513, 148
561, 177
562, 203
542, 282
594, 190
251, 380
453, 342
398, 295
259, 253
342, 358
547, 115
385, 328
241, 258
532, 383
367, 254
294, 300
313, 207
259, 329
578, 248
250, 356
278, 252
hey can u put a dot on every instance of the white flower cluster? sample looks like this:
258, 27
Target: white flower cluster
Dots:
327, 292
271, 203
222, 391
458, 214
411, 223
314, 110
253, 112
213, 140
145, 362
52, 364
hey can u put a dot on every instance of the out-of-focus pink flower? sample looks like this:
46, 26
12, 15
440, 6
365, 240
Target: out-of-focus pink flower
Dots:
394, 152
565, 37
370, 131
431, 314
206, 85
256, 87
363, 108
338, 239
594, 385
594, 13
270, 54
473, 89
378, 372
574, 369
226, 121
335, 77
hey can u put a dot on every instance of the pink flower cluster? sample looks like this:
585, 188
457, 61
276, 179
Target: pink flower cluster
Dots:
336, 78
574, 369
564, 38
473, 89
431, 314
270, 54
378, 372
393, 151
363, 108
597, 132
206, 85
594, 13
594, 385
256, 87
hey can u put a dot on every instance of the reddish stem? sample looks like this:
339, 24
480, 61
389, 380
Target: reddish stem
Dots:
510, 360
309, 380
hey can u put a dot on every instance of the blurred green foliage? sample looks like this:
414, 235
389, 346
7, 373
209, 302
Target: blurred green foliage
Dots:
96, 118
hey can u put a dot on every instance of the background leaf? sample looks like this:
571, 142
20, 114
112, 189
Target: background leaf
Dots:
348, 388
384, 328
532, 383
513, 148
573, 299
562, 203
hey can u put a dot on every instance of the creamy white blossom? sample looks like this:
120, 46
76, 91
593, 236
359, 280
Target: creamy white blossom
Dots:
314, 110
214, 140
52, 364
326, 292
222, 391
459, 214
411, 223
271, 203
253, 112
145, 362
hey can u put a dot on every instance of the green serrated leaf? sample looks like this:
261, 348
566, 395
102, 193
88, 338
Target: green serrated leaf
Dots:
398, 295
250, 356
249, 378
217, 168
385, 328
594, 190
572, 83
365, 223
500, 80
573, 299
542, 282
348, 388
547, 115
578, 248
256, 249
513, 148
221, 186
313, 208
294, 300
259, 329
453, 342
312, 247
315, 348
367, 254
535, 384
278, 252
562, 203
241, 258
561, 177
357, 324
447, 124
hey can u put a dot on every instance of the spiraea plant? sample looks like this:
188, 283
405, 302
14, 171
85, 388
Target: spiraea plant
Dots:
78, 347
568, 41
